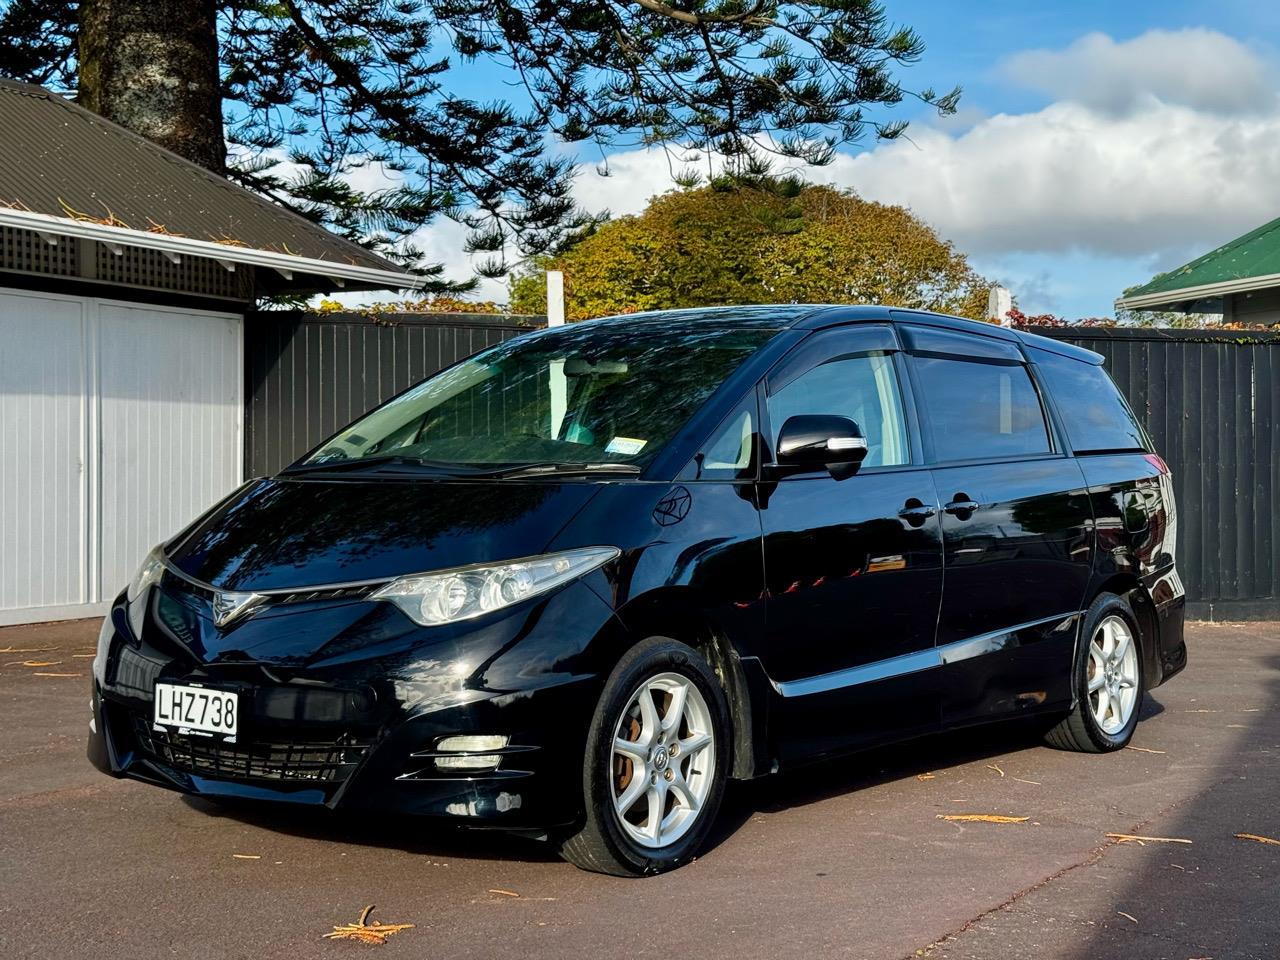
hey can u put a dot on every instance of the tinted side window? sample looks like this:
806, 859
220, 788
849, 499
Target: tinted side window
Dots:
979, 410
1092, 409
862, 388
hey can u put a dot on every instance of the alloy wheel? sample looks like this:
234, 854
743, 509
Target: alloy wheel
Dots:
662, 765
1113, 674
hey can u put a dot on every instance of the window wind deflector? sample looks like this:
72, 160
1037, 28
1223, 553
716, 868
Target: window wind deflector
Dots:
934, 341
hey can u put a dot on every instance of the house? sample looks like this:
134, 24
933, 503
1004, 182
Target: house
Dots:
126, 274
1239, 280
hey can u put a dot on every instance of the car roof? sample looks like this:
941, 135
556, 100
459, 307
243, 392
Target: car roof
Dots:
767, 316
811, 316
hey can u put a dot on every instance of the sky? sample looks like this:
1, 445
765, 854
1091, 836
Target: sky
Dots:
1096, 143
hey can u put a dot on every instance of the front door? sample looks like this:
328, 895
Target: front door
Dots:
853, 566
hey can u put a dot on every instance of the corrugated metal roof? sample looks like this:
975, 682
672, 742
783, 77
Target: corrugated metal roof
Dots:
1254, 255
56, 156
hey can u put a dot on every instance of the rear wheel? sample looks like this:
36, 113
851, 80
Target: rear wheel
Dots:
656, 763
1108, 680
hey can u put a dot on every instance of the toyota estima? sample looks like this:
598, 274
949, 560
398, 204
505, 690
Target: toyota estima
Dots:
572, 585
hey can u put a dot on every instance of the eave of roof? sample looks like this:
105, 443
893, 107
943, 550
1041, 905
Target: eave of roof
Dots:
1188, 295
1250, 262
60, 160
286, 264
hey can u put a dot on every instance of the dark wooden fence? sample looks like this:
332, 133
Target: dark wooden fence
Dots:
307, 374
1210, 400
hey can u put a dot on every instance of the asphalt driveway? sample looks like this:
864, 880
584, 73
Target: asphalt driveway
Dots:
846, 860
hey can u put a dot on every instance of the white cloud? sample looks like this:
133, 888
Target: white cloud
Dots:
1159, 147
1069, 177
442, 242
1156, 149
634, 177
1162, 181
1198, 68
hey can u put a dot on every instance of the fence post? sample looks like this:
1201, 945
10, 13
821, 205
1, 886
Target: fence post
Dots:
999, 303
557, 382
555, 298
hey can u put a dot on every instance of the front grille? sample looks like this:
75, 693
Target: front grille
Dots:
276, 597
329, 762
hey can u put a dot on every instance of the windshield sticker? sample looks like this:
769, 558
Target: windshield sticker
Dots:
626, 446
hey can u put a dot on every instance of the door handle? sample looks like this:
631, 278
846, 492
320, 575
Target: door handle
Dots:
915, 512
961, 506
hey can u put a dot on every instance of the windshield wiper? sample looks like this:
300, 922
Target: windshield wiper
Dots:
391, 459
549, 468
561, 469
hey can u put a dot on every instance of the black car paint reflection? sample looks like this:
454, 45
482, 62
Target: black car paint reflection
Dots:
838, 612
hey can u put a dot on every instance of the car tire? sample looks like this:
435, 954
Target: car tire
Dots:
1107, 679
651, 804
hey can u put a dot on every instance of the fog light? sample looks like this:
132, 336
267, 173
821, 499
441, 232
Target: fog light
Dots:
476, 761
468, 747
472, 743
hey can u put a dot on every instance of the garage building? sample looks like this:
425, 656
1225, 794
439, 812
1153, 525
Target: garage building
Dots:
126, 273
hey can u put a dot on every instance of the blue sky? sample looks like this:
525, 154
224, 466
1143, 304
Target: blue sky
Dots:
969, 50
1096, 142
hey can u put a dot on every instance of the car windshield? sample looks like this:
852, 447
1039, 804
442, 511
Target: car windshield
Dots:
579, 395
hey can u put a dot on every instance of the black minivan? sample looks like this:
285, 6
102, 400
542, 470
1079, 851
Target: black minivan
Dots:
571, 585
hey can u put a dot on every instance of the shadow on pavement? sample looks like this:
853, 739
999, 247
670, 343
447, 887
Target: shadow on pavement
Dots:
774, 794
1218, 896
412, 835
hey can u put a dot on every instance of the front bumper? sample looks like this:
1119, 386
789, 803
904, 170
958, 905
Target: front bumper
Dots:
364, 735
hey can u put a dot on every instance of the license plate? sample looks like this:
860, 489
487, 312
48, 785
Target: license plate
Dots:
196, 709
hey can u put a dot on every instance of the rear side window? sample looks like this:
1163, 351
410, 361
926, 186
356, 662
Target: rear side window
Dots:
981, 410
1094, 413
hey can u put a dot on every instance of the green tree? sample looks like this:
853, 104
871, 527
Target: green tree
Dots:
335, 85
709, 246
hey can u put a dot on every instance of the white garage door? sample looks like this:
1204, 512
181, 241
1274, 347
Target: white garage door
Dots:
119, 424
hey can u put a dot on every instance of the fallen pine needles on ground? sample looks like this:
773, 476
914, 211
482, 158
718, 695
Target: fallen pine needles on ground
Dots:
1131, 838
1257, 839
366, 932
980, 818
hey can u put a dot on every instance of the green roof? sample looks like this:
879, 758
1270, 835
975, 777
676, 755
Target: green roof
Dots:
1228, 269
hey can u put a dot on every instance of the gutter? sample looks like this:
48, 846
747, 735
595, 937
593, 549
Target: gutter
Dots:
227, 255
1204, 291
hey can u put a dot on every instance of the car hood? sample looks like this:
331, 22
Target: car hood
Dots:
290, 532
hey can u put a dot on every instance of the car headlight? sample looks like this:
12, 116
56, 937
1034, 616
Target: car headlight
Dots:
148, 575
460, 593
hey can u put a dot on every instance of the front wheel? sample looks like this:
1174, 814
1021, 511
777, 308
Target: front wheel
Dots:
1108, 680
656, 763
